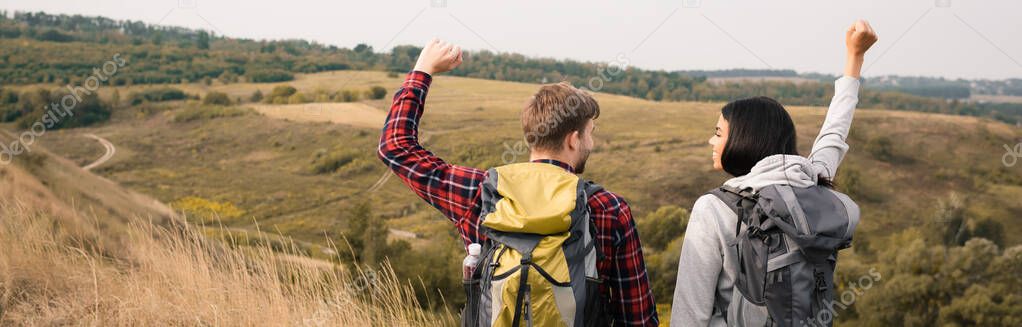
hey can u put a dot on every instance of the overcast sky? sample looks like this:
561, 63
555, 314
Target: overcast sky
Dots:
949, 38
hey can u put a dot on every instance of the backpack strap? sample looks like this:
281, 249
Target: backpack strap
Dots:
590, 189
522, 302
738, 200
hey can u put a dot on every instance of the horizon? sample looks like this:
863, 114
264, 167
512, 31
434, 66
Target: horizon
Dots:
906, 46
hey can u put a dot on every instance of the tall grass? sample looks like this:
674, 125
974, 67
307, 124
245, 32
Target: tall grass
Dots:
53, 274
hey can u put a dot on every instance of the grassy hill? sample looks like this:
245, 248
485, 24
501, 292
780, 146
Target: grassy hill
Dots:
80, 249
653, 153
303, 170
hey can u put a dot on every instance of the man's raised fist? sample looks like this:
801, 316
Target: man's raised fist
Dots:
438, 57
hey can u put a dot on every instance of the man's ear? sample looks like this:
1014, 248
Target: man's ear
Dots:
573, 141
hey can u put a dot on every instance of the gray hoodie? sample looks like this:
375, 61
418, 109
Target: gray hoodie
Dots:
709, 259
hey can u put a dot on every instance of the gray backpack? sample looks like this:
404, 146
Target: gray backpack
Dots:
788, 240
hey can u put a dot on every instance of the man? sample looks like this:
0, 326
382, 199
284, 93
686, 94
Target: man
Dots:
558, 123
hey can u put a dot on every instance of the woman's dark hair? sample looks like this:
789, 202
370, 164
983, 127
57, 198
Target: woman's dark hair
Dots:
759, 127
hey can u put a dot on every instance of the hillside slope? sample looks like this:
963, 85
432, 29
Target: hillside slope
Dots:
82, 250
41, 181
653, 153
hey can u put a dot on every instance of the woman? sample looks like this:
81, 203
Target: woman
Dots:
755, 142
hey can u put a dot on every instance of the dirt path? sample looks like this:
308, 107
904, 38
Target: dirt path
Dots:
110, 151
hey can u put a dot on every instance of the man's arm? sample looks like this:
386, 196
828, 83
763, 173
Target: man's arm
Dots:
630, 296
449, 188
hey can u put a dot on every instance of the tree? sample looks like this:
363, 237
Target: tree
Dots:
367, 235
658, 228
202, 40
34, 105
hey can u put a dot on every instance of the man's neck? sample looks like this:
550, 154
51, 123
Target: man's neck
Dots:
544, 156
541, 156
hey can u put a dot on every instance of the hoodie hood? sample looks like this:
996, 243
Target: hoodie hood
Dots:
796, 171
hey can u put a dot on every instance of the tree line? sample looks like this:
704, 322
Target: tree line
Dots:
47, 48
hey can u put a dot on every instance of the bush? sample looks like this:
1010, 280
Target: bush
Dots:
280, 94
217, 98
256, 96
32, 108
157, 95
326, 163
348, 96
376, 92
209, 112
297, 98
54, 36
269, 76
9, 106
658, 228
207, 210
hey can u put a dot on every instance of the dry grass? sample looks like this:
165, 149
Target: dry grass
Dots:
52, 274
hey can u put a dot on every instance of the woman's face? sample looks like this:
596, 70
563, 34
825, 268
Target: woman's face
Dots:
718, 141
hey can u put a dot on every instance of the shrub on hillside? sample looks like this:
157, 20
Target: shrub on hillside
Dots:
256, 96
9, 106
298, 98
217, 98
31, 107
54, 36
660, 227
269, 76
280, 94
348, 96
376, 92
209, 112
157, 95
325, 163
207, 210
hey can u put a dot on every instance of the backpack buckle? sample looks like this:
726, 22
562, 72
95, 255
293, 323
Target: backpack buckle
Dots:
821, 283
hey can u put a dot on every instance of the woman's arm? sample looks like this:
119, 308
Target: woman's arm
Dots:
830, 147
699, 268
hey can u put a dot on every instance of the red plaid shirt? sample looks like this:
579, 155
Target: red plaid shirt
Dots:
454, 190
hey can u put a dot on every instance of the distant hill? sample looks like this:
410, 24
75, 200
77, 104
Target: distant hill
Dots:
49, 49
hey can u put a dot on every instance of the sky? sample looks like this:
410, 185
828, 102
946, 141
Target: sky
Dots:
938, 38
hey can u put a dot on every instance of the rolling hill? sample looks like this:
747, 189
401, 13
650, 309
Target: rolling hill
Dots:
264, 164
302, 170
81, 249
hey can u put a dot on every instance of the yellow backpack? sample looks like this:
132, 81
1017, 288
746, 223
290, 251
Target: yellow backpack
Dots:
538, 265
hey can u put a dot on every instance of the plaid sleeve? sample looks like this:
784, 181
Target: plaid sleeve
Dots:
449, 188
627, 286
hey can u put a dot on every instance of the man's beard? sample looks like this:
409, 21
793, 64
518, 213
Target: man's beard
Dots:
581, 166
